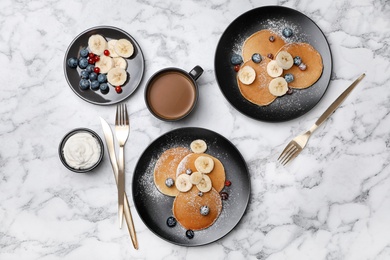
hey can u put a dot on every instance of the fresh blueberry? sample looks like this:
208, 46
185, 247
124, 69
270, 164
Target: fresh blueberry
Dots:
302, 66
289, 77
93, 76
72, 62
84, 52
297, 60
169, 182
84, 84
171, 222
95, 85
204, 210
104, 88
200, 194
236, 59
90, 68
287, 32
256, 58
190, 234
84, 74
102, 78
83, 63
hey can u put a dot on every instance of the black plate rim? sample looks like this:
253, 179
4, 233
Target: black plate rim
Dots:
247, 198
103, 27
245, 14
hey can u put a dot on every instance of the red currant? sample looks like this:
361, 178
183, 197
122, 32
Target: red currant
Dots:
96, 58
96, 70
107, 52
228, 183
236, 68
91, 61
91, 55
118, 89
270, 55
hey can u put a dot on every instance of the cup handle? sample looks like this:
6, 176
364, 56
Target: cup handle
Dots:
196, 72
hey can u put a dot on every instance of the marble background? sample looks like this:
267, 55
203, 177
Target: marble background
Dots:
332, 202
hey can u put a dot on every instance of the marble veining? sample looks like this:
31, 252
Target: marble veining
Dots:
332, 202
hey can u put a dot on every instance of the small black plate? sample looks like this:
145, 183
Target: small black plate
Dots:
135, 67
275, 18
154, 208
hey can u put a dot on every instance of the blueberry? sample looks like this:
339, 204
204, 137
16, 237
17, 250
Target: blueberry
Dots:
72, 62
104, 88
102, 78
83, 63
302, 66
93, 76
169, 182
289, 77
200, 194
171, 222
190, 234
84, 52
204, 210
84, 84
236, 59
287, 32
256, 58
90, 68
95, 85
84, 74
297, 60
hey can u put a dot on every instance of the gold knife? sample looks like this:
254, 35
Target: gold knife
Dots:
111, 151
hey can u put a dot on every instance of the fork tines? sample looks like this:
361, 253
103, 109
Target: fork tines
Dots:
289, 153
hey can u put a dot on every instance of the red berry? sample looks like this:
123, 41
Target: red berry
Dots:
96, 58
91, 61
236, 68
118, 89
91, 55
224, 195
106, 52
271, 38
228, 183
96, 70
270, 55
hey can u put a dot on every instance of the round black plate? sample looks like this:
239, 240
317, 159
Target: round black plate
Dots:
154, 208
135, 67
275, 18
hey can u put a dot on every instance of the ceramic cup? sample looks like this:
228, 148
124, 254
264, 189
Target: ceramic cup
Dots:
171, 93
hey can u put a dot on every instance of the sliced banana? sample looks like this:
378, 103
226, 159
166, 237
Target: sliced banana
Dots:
205, 184
117, 76
247, 75
198, 146
284, 60
119, 62
196, 177
273, 69
124, 48
97, 44
204, 164
111, 48
278, 86
105, 64
183, 183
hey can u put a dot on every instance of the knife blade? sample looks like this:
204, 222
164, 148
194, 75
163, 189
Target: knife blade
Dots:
109, 138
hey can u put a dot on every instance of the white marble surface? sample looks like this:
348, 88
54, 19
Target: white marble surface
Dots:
332, 202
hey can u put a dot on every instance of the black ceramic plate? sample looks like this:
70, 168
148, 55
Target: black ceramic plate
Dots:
135, 67
154, 208
275, 18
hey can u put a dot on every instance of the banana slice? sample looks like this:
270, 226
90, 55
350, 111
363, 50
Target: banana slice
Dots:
183, 183
284, 60
196, 177
204, 164
105, 64
124, 48
111, 48
205, 184
117, 76
119, 62
97, 44
198, 146
247, 75
278, 86
273, 69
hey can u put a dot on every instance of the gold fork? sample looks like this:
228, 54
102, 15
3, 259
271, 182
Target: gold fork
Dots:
122, 130
298, 143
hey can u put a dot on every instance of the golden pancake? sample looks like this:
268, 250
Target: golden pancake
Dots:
259, 43
166, 166
217, 175
310, 57
257, 92
187, 205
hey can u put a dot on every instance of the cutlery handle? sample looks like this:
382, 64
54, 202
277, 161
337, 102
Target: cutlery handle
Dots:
130, 223
121, 184
337, 103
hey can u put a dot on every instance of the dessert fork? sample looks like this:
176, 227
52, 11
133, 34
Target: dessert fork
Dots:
298, 143
122, 130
